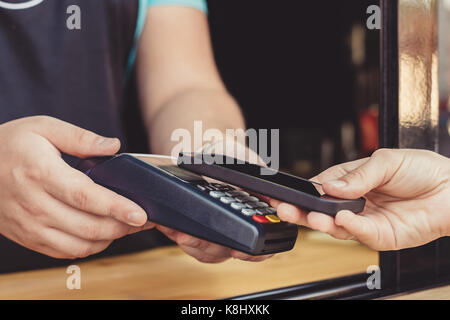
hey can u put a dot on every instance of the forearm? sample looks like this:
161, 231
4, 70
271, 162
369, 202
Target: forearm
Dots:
215, 108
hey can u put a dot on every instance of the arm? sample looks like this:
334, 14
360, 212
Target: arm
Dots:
178, 79
179, 84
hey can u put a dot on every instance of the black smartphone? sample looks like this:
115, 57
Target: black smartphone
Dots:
278, 185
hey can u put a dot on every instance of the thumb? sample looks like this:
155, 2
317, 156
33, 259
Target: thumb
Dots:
74, 140
360, 181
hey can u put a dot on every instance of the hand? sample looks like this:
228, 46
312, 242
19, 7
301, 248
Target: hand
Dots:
205, 251
51, 208
408, 200
202, 250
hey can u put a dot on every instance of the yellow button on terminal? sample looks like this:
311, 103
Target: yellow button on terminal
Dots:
273, 218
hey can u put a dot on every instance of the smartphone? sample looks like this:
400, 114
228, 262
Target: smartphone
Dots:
278, 185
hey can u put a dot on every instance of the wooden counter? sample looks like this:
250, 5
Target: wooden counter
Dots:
168, 273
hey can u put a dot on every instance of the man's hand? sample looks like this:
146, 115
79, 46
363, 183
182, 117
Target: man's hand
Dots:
205, 251
51, 208
408, 200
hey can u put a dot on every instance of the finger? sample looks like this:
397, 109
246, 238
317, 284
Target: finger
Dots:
325, 223
292, 214
56, 214
198, 249
69, 245
31, 244
147, 226
274, 203
338, 171
51, 252
202, 256
48, 251
245, 257
206, 251
370, 175
359, 226
202, 250
168, 232
179, 237
73, 140
206, 247
80, 192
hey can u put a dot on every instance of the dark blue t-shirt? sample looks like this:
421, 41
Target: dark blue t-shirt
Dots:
70, 59
76, 75
48, 67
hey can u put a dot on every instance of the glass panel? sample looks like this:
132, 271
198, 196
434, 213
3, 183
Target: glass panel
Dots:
418, 67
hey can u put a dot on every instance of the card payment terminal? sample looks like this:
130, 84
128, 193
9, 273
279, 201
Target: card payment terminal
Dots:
185, 201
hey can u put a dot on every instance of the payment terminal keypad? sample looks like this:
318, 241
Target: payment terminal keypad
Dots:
241, 201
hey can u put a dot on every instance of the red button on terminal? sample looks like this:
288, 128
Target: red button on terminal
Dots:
260, 219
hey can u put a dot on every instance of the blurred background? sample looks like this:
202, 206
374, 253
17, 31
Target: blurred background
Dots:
308, 68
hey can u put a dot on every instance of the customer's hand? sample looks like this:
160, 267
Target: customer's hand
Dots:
408, 200
51, 208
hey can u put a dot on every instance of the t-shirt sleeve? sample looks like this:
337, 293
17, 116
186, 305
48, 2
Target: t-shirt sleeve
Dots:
197, 4
142, 13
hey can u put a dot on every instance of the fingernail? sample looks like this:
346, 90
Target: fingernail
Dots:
106, 142
337, 183
286, 214
136, 219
